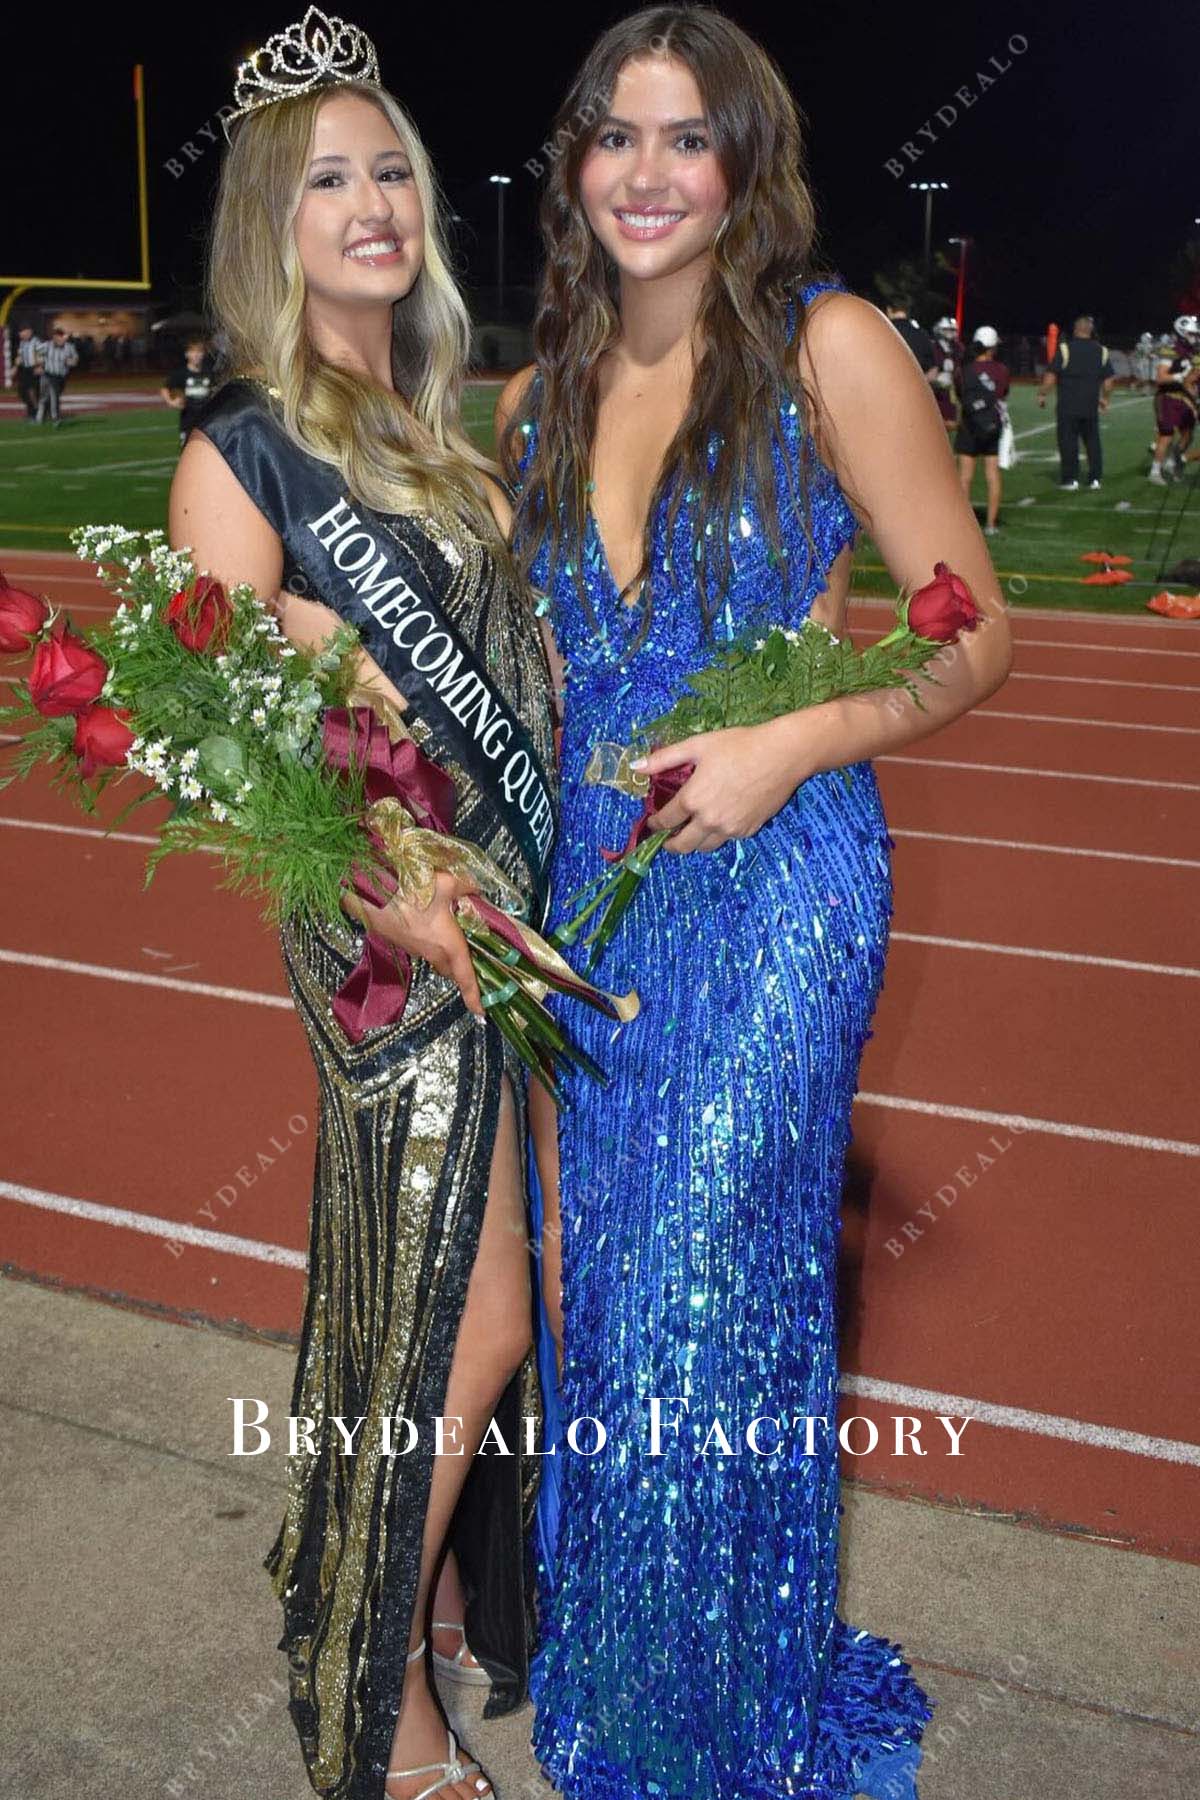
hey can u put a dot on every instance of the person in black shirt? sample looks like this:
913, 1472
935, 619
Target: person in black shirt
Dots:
189, 386
918, 341
1083, 374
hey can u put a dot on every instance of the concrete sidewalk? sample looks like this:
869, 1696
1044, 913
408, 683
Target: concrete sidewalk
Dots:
140, 1661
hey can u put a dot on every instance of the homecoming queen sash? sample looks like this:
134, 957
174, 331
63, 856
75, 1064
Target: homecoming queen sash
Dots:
373, 573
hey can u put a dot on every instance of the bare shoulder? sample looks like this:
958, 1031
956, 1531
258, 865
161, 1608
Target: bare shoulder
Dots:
211, 514
844, 329
511, 401
850, 358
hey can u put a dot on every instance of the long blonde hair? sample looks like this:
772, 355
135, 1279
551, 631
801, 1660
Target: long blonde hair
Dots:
399, 452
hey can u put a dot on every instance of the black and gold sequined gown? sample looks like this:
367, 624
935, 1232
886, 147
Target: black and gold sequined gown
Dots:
407, 1121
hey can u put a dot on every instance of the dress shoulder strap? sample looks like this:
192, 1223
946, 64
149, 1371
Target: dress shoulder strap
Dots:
241, 423
822, 284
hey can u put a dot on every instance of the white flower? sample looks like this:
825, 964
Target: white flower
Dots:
288, 651
219, 812
190, 788
189, 759
146, 611
258, 716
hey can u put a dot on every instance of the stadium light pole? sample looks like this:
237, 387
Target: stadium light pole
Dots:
500, 182
960, 296
928, 188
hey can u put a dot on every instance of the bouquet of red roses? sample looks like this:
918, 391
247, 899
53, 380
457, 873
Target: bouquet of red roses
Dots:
749, 682
303, 782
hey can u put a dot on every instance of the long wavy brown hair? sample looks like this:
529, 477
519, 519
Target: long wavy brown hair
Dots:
747, 365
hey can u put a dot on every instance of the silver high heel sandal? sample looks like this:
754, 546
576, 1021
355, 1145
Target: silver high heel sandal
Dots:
454, 1668
454, 1770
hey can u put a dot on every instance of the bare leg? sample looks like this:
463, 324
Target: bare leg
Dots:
543, 1124
450, 1602
493, 1339
991, 474
966, 473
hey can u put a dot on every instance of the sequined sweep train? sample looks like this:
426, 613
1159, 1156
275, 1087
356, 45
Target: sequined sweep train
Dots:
691, 1647
406, 1126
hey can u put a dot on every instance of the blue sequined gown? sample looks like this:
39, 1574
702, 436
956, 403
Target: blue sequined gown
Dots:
690, 1645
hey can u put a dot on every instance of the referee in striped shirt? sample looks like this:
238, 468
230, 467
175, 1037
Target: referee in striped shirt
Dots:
59, 357
29, 368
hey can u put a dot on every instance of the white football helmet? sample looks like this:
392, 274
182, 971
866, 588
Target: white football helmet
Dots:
988, 336
1187, 327
946, 328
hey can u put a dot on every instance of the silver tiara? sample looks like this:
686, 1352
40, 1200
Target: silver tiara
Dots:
318, 51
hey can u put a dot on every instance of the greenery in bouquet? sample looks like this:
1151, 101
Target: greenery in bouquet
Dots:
269, 759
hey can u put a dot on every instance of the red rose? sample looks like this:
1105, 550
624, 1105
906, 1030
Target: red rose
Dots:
21, 615
943, 607
101, 738
199, 613
66, 675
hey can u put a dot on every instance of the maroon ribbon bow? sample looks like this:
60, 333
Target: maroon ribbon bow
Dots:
663, 787
375, 992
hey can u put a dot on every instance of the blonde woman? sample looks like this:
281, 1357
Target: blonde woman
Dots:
331, 472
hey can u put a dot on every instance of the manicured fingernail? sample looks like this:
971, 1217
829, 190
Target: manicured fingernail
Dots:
637, 762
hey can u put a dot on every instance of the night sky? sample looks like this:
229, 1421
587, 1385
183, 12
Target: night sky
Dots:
1074, 174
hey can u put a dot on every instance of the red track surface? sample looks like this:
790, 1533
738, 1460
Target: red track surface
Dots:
1040, 1109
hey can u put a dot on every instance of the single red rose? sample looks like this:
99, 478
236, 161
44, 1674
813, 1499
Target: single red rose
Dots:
21, 615
67, 674
101, 738
200, 613
943, 607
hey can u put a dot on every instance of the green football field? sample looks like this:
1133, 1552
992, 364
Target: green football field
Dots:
116, 466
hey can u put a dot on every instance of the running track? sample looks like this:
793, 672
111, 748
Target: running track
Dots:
1020, 1241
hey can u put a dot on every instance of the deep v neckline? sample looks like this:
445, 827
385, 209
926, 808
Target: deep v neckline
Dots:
628, 606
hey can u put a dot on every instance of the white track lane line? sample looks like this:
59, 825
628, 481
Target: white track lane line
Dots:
1018, 615
88, 831
978, 1115
995, 712
866, 1387
1018, 1418
61, 966
944, 762
1059, 644
1157, 687
953, 837
1057, 1128
164, 1228
944, 837
1064, 956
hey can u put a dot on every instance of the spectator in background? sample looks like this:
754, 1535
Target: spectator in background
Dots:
27, 370
1083, 374
1176, 402
59, 357
985, 383
189, 386
947, 372
1144, 363
918, 341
